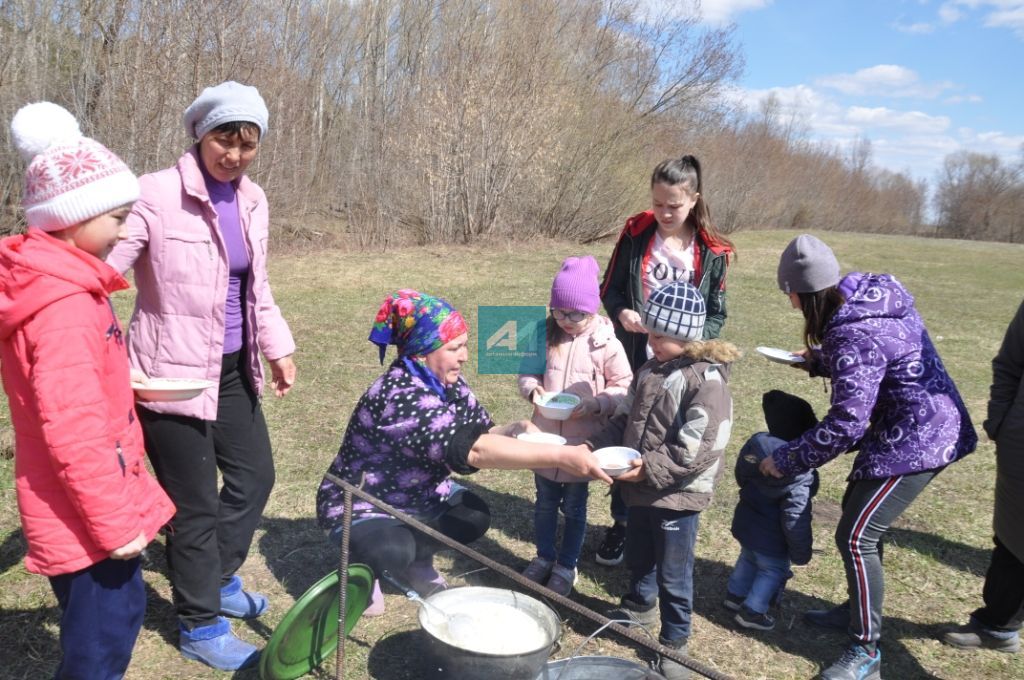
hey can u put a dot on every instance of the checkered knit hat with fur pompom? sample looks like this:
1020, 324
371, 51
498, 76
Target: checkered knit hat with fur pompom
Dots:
677, 310
70, 178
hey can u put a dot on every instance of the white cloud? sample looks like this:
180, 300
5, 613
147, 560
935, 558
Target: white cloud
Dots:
715, 12
724, 11
1010, 17
908, 122
1009, 147
884, 80
918, 28
963, 99
997, 13
949, 13
909, 141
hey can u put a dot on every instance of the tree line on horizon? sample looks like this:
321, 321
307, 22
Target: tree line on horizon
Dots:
414, 121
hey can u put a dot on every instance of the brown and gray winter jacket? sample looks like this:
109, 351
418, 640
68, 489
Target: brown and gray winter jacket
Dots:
678, 415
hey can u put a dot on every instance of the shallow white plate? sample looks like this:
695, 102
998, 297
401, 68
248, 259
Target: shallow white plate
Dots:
170, 389
780, 356
558, 406
541, 438
614, 460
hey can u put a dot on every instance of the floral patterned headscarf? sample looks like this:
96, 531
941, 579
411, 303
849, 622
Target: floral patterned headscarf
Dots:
416, 323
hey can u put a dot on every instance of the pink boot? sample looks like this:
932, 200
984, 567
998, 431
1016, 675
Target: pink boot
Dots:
376, 606
424, 579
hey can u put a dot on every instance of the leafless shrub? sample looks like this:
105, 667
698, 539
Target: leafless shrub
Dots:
440, 120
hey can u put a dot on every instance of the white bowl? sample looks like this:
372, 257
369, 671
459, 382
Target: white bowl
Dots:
558, 405
614, 460
541, 438
780, 356
170, 389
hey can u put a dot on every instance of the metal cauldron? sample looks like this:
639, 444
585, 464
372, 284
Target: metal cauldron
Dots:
596, 668
451, 661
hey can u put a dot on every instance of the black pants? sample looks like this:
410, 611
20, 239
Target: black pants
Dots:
1003, 592
387, 543
869, 509
210, 535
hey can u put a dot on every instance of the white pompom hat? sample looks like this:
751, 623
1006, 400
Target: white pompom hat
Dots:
70, 178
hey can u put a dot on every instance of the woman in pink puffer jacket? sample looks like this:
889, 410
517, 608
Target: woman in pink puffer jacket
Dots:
584, 358
198, 244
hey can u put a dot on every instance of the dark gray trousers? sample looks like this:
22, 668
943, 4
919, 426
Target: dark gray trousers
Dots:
869, 509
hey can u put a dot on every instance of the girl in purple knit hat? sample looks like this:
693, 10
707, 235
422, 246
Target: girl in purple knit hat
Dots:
892, 401
584, 358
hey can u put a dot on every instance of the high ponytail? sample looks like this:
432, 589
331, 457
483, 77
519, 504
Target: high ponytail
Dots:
686, 171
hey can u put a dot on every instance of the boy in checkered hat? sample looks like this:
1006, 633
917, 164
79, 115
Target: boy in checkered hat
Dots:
678, 415
88, 505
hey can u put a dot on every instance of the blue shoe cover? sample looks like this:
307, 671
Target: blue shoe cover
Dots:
236, 602
216, 646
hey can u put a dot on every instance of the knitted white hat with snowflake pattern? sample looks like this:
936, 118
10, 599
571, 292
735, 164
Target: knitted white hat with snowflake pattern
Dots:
70, 178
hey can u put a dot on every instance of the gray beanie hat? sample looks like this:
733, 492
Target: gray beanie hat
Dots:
677, 310
225, 103
807, 265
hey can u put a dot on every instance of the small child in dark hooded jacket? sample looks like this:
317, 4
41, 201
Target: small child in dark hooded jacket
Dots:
772, 520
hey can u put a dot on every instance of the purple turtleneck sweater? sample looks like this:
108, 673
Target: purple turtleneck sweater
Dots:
224, 197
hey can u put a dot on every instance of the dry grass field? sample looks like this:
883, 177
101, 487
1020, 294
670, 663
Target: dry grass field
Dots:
935, 557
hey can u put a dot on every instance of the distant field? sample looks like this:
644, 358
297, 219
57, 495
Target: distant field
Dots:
967, 292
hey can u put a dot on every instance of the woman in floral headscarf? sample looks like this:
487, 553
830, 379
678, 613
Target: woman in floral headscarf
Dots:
415, 425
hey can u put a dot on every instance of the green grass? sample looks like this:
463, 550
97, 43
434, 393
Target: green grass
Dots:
966, 291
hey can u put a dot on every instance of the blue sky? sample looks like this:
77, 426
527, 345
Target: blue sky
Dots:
918, 78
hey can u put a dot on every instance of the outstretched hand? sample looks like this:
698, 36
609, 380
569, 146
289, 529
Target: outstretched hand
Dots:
580, 461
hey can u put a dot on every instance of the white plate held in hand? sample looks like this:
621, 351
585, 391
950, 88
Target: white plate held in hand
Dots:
780, 356
170, 389
615, 460
541, 438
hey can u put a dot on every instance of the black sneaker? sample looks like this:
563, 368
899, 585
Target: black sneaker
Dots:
748, 618
856, 663
837, 618
973, 636
612, 547
733, 602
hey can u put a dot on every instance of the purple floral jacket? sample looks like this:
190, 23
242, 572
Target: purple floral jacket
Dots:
398, 435
891, 396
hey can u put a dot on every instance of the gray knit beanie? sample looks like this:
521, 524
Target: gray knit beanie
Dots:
225, 103
677, 310
807, 265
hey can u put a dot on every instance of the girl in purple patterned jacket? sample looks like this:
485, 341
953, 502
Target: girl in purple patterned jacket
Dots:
892, 401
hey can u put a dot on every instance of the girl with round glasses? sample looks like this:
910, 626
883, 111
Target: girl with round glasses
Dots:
584, 358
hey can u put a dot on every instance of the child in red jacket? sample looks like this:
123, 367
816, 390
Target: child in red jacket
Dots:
88, 505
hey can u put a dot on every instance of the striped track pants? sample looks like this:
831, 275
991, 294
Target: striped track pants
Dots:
869, 509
